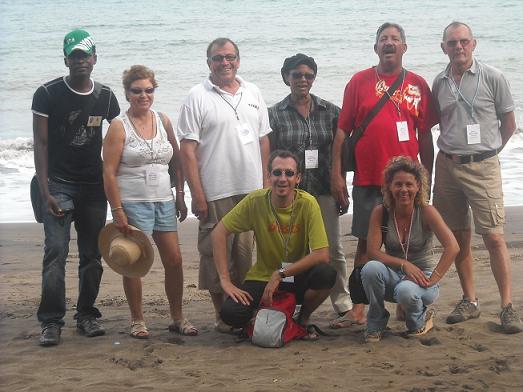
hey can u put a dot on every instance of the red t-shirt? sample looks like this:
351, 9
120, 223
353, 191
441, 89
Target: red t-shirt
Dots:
380, 141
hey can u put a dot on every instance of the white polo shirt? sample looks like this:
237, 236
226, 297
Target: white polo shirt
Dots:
227, 128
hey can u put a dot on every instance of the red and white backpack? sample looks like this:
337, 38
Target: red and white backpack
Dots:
273, 326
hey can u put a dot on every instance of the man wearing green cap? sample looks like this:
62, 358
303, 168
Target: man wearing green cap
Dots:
67, 126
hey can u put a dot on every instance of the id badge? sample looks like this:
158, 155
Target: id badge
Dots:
151, 177
244, 133
473, 134
403, 131
288, 279
94, 121
311, 159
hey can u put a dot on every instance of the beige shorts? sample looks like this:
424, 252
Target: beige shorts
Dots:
239, 247
478, 185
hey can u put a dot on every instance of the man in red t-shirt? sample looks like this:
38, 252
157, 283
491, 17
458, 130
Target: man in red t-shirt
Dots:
401, 127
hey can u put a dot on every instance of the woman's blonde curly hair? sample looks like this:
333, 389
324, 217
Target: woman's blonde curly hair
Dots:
407, 165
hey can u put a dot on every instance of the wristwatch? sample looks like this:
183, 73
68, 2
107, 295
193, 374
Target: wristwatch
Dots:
281, 272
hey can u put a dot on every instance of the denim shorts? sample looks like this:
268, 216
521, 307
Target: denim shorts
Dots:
149, 216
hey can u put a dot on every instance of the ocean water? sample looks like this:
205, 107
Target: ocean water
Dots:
171, 37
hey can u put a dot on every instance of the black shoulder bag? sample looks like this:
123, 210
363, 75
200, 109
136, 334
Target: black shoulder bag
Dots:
357, 292
348, 155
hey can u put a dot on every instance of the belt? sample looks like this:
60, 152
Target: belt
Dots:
470, 158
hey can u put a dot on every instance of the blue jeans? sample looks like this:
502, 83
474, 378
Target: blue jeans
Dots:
87, 206
382, 283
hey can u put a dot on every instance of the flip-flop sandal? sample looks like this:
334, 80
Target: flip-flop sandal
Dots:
139, 330
183, 327
344, 321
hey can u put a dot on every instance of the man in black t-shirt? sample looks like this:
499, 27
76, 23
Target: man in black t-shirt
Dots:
67, 127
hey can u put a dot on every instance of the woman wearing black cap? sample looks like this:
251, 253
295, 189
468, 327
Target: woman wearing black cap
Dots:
304, 123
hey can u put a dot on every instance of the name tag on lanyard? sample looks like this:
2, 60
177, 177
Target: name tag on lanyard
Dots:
403, 131
311, 159
244, 133
473, 134
151, 177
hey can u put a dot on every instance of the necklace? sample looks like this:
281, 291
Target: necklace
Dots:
140, 135
287, 238
404, 245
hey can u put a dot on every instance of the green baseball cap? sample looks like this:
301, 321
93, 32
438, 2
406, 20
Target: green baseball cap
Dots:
78, 40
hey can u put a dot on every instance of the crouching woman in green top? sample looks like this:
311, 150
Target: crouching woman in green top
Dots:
404, 272
291, 244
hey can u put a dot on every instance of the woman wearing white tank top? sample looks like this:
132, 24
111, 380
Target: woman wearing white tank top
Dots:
138, 151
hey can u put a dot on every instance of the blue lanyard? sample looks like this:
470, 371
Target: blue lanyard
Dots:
469, 104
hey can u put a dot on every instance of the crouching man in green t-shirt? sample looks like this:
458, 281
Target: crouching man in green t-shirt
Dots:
291, 243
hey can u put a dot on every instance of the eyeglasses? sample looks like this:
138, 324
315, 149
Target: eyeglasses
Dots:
139, 91
218, 58
279, 172
299, 75
454, 42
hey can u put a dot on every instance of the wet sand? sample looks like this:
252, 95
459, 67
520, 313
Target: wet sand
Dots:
471, 356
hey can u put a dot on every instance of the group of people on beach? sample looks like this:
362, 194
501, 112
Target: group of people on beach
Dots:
275, 177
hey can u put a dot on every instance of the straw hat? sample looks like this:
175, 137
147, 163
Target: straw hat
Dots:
131, 255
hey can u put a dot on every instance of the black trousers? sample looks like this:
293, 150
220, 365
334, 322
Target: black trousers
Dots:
319, 277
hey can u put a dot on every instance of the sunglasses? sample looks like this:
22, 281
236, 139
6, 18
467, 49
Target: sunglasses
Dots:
218, 58
139, 91
454, 42
279, 172
299, 75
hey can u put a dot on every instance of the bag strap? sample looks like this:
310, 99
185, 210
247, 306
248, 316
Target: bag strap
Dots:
358, 132
384, 223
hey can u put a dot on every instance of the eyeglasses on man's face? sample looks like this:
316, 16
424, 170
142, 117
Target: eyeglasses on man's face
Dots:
454, 42
218, 58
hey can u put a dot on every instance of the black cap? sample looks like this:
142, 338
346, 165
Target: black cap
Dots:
293, 61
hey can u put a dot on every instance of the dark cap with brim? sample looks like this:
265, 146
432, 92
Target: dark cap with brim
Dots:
292, 62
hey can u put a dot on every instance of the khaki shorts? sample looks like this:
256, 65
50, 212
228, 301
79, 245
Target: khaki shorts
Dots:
239, 247
478, 185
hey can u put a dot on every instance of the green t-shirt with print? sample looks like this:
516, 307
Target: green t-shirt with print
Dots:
254, 212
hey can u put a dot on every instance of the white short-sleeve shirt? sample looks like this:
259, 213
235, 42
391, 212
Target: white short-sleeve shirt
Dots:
227, 128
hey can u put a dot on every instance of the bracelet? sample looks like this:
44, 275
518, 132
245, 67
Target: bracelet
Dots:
401, 268
182, 192
437, 273
116, 208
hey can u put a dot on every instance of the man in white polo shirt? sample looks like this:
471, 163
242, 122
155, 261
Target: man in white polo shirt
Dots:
477, 120
223, 128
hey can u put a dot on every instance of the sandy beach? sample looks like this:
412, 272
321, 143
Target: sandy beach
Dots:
472, 356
